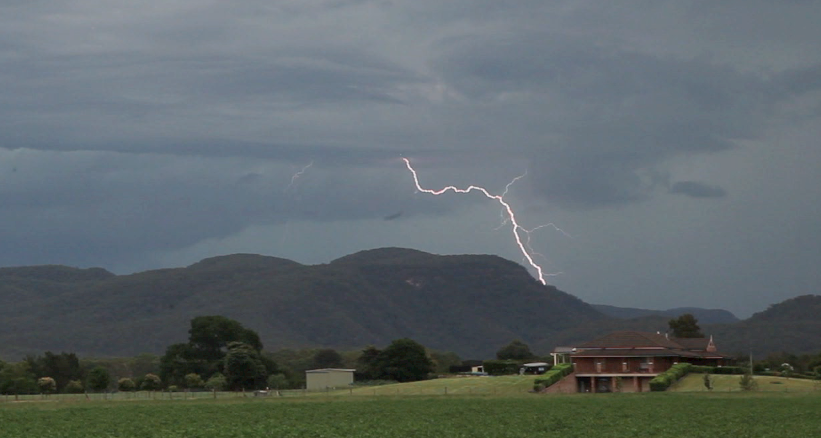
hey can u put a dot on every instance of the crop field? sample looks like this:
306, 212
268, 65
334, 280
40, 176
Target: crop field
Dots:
528, 415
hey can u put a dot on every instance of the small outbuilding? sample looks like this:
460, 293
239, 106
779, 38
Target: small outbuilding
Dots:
534, 368
328, 378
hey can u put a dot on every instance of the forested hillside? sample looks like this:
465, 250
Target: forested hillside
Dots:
705, 316
468, 304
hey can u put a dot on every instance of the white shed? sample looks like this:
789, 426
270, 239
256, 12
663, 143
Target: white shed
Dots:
327, 378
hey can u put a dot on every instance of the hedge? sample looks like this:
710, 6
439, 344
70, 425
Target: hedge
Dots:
554, 375
667, 378
501, 367
729, 370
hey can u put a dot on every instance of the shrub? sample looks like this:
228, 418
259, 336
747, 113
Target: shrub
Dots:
193, 380
667, 378
728, 370
501, 367
151, 382
74, 387
747, 382
47, 385
554, 375
702, 369
277, 381
217, 382
126, 385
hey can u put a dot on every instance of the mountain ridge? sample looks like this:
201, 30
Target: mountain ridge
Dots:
469, 304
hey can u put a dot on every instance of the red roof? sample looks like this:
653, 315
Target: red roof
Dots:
693, 343
630, 352
635, 344
631, 339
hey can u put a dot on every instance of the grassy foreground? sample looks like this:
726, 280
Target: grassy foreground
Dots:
581, 415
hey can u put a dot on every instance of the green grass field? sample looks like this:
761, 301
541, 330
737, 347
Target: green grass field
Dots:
727, 383
472, 407
502, 385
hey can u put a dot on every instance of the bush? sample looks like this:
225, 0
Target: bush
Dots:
151, 382
747, 382
702, 369
217, 382
554, 375
277, 381
74, 387
193, 381
729, 370
47, 385
501, 367
667, 378
126, 385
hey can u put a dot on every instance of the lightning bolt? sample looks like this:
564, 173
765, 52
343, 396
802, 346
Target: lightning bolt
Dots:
508, 215
296, 176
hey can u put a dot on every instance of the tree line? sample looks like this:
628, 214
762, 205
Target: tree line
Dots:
221, 354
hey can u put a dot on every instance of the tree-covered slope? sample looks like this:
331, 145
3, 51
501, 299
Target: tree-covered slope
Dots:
468, 304
704, 316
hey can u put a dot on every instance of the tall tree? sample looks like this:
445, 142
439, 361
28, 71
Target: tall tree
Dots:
17, 379
244, 368
209, 336
98, 379
178, 361
204, 354
63, 367
685, 326
405, 360
516, 350
368, 363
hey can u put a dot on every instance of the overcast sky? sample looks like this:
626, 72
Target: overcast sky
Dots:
676, 143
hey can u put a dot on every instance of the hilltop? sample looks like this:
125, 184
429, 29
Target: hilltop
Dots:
470, 304
704, 316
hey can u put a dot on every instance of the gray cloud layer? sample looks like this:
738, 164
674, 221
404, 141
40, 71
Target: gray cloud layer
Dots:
143, 135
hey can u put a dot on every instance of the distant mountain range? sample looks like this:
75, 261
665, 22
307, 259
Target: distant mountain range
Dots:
470, 304
704, 316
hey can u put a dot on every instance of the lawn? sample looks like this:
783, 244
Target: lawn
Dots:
727, 383
473, 385
530, 415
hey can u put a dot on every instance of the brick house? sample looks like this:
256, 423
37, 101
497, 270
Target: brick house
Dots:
626, 361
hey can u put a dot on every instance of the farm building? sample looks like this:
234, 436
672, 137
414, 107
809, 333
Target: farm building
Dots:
326, 378
534, 368
628, 360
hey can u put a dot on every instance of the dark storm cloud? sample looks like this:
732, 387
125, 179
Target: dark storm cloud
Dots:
134, 130
610, 114
697, 189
